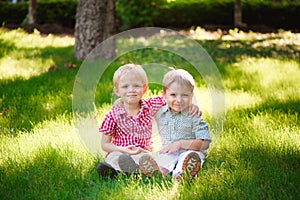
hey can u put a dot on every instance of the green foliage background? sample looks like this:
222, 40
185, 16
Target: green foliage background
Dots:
165, 13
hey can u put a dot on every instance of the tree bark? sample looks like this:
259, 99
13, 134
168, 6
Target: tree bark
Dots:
32, 12
238, 14
95, 22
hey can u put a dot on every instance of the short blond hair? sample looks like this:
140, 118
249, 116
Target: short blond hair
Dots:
137, 70
180, 76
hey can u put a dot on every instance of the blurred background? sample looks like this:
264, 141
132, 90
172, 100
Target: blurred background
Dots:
255, 15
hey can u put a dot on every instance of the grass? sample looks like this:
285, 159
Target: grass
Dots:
257, 155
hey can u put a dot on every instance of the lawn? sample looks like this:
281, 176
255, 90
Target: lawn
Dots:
256, 155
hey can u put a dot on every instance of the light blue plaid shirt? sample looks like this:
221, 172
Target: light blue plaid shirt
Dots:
180, 126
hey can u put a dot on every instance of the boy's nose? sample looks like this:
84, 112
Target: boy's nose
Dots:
131, 88
178, 99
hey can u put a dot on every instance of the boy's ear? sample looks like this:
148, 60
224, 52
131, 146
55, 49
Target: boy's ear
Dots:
145, 89
116, 91
163, 93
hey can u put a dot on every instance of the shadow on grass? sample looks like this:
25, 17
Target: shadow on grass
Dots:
288, 107
272, 169
273, 108
230, 51
39, 98
55, 173
5, 47
51, 174
257, 167
255, 172
27, 102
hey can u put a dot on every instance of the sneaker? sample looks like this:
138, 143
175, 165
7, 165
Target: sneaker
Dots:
148, 166
191, 164
127, 164
106, 170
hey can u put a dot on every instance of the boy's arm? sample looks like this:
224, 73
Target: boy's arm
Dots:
194, 110
106, 144
155, 102
196, 144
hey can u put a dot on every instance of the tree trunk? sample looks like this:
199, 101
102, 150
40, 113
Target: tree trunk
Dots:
32, 12
95, 22
238, 14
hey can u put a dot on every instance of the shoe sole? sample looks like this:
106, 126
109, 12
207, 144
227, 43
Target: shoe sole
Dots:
148, 165
127, 164
192, 164
106, 170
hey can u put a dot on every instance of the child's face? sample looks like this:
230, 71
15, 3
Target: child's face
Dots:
130, 89
178, 97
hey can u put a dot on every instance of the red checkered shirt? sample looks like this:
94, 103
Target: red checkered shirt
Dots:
127, 130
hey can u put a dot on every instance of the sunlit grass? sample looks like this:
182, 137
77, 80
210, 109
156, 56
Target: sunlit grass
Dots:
266, 77
27, 144
24, 56
21, 39
29, 160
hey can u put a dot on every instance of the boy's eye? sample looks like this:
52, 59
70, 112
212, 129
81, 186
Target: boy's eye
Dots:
124, 86
172, 94
137, 86
185, 95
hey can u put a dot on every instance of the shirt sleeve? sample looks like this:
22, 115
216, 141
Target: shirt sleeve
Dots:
108, 125
200, 128
156, 102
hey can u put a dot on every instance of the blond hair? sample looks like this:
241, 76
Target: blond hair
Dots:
136, 70
180, 76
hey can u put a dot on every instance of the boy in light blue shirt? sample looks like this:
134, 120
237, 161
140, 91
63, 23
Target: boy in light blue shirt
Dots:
185, 138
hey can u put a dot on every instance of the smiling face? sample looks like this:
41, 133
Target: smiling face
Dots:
178, 97
131, 88
178, 87
130, 83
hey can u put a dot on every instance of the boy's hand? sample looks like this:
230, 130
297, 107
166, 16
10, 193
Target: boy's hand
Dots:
173, 147
131, 149
194, 109
119, 103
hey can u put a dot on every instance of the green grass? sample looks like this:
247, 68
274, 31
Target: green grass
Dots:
257, 155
